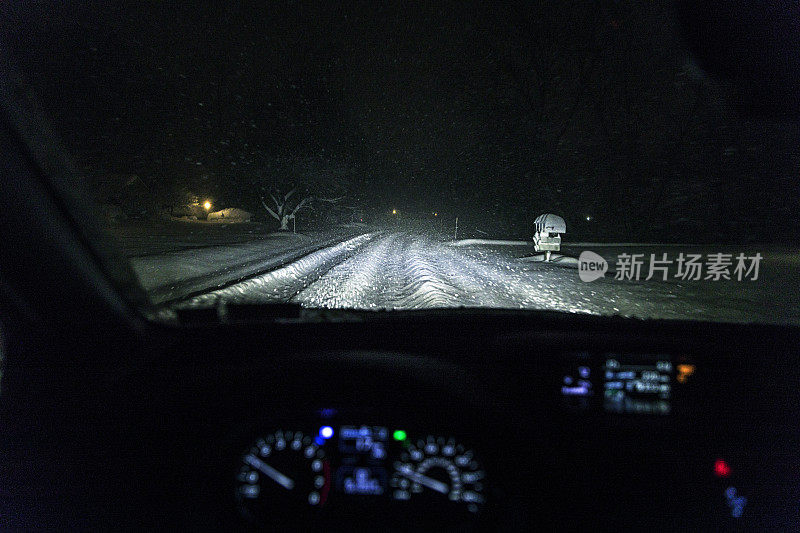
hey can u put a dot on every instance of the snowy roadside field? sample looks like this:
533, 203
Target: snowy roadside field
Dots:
176, 259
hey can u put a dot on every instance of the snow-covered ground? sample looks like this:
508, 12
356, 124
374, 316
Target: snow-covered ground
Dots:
406, 271
175, 259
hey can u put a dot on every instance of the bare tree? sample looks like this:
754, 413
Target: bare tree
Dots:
283, 212
286, 209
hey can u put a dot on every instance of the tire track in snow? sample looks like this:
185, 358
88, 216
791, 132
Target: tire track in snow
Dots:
354, 282
281, 284
422, 283
481, 287
498, 282
393, 272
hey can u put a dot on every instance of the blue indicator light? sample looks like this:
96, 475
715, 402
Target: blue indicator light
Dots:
319, 441
735, 502
326, 432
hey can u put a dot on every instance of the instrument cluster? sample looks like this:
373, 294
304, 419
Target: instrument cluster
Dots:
327, 471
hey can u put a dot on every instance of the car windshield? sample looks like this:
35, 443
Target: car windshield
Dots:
533, 155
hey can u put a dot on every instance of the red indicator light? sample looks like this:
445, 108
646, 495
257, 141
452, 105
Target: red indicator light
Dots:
721, 468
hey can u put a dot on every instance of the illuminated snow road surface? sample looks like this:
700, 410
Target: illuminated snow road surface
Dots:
406, 271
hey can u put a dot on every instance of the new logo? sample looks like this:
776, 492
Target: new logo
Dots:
591, 266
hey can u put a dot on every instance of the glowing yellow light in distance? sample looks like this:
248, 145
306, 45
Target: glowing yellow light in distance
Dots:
207, 205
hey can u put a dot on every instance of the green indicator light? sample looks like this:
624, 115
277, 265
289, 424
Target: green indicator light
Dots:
399, 434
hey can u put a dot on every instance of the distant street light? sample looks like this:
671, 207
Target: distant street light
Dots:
394, 211
207, 205
588, 218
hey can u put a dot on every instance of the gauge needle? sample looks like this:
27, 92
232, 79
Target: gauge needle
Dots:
280, 479
424, 480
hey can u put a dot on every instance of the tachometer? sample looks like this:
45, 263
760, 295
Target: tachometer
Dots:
438, 469
283, 469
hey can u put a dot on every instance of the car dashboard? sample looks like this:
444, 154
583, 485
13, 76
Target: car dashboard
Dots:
417, 425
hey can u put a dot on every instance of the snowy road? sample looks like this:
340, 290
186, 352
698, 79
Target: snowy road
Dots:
407, 271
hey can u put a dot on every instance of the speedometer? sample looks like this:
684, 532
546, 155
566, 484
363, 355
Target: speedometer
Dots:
282, 471
435, 469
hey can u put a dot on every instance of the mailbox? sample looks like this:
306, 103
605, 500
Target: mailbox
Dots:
547, 238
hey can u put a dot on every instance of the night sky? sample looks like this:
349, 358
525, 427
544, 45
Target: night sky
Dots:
491, 112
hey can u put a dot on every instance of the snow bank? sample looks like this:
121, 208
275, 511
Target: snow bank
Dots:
286, 235
624, 244
230, 214
556, 259
284, 282
172, 275
469, 242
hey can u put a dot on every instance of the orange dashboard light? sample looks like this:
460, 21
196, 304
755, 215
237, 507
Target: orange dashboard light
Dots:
684, 371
